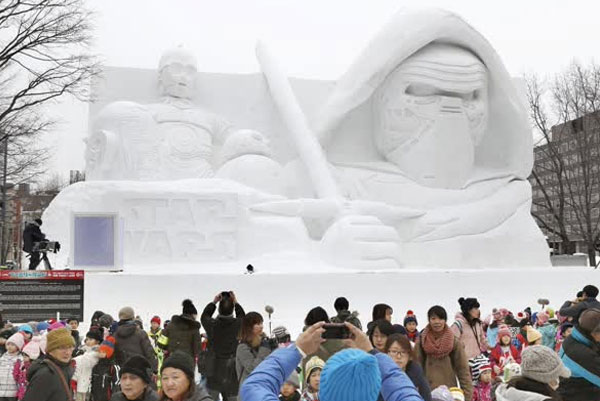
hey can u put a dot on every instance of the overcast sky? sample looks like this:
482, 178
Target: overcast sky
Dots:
313, 39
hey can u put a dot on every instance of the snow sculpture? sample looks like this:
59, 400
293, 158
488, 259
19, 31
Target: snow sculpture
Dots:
418, 157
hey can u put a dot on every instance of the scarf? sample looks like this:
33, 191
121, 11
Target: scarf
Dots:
437, 345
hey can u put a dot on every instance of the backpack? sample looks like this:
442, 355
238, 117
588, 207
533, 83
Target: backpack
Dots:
105, 380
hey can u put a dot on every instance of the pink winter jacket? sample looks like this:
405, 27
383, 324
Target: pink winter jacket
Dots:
473, 338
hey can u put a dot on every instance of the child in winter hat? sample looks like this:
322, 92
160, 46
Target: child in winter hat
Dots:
534, 337
481, 373
410, 324
313, 369
8, 385
30, 353
289, 389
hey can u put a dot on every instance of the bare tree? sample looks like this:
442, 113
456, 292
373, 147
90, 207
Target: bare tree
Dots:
566, 176
44, 54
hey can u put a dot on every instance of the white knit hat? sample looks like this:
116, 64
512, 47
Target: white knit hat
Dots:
542, 364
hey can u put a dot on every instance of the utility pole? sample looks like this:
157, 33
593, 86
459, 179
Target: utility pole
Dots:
3, 216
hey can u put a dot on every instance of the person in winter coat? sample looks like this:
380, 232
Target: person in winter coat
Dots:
85, 363
564, 331
183, 333
342, 308
359, 373
48, 378
546, 329
410, 325
541, 369
503, 353
130, 340
581, 354
399, 348
442, 355
468, 328
222, 333
328, 348
31, 235
8, 361
481, 375
136, 376
178, 379
30, 353
253, 348
574, 308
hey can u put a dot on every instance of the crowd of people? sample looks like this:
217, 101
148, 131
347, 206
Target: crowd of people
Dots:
505, 356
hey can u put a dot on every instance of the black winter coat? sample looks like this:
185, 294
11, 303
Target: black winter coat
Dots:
44, 383
31, 234
131, 340
222, 334
184, 335
149, 395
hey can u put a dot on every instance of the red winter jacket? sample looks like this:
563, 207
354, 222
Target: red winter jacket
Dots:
498, 358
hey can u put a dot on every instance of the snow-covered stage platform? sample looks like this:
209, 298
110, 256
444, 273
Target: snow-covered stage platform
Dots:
293, 290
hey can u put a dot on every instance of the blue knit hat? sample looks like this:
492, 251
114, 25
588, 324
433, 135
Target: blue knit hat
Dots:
41, 326
26, 328
350, 375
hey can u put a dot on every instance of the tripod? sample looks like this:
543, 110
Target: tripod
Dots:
44, 258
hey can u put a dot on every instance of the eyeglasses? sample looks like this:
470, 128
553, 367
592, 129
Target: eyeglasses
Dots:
394, 352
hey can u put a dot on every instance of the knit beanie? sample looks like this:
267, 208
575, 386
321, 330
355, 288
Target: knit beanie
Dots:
350, 375
542, 318
542, 364
17, 339
182, 361
189, 308
42, 326
282, 334
478, 365
589, 320
410, 317
59, 338
457, 394
155, 319
294, 380
442, 393
313, 363
32, 349
108, 346
533, 335
25, 328
56, 326
105, 321
139, 366
503, 330
466, 304
126, 313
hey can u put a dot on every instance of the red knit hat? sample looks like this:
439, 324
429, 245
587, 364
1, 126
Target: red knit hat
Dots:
155, 319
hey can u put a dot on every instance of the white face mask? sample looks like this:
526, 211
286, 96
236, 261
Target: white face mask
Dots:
429, 116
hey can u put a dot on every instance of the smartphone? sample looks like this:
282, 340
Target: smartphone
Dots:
335, 331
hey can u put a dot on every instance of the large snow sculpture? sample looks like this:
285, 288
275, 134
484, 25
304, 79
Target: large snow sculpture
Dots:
418, 157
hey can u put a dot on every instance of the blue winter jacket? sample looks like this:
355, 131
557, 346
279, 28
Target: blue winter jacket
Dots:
582, 356
264, 382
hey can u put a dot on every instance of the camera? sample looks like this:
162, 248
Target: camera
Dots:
335, 331
46, 246
225, 294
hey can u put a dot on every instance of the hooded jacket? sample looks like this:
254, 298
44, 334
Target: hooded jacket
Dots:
581, 355
347, 316
44, 383
131, 340
525, 389
184, 335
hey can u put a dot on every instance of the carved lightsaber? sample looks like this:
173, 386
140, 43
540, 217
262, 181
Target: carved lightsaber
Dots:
308, 147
